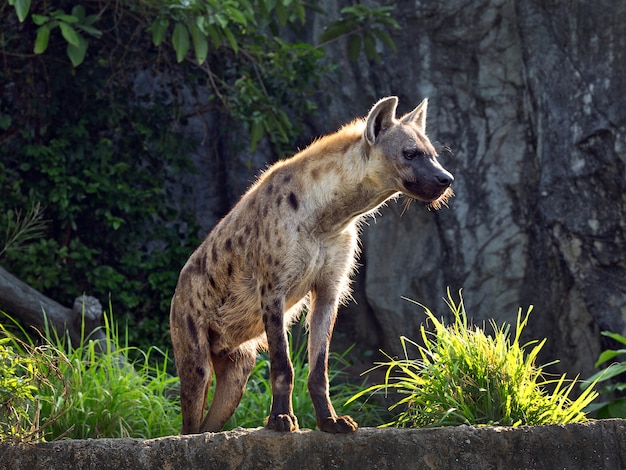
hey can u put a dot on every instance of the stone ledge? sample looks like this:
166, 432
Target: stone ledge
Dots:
593, 445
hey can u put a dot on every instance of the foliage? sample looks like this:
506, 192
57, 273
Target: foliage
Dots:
26, 373
364, 26
20, 229
98, 392
464, 376
101, 151
208, 29
613, 389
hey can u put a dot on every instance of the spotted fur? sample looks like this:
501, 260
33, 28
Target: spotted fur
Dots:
291, 239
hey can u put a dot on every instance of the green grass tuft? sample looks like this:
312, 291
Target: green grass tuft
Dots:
461, 375
95, 391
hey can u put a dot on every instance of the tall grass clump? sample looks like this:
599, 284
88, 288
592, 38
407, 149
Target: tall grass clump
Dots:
461, 375
101, 389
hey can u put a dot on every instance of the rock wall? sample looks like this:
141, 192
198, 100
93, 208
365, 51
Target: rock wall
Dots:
530, 97
597, 445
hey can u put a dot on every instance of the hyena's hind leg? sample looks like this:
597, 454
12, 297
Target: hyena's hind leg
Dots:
231, 375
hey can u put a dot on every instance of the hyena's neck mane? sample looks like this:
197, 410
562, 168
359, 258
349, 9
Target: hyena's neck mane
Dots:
335, 181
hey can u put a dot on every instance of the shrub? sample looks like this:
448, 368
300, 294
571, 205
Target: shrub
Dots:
464, 376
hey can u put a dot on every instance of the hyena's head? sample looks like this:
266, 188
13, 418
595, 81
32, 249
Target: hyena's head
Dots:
401, 155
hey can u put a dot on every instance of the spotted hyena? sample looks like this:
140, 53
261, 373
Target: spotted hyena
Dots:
292, 239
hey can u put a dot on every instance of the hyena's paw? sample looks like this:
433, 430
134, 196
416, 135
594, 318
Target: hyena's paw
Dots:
339, 424
282, 422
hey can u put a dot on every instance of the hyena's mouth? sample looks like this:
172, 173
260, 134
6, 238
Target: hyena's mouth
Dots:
427, 193
434, 197
442, 200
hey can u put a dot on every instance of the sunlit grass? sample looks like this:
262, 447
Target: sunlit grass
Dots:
98, 388
462, 375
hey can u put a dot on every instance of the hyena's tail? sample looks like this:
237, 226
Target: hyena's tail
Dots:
193, 361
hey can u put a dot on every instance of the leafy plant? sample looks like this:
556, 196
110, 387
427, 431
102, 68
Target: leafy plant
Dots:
26, 373
613, 389
464, 376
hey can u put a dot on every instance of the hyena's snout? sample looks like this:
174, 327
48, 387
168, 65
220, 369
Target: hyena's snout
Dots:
443, 178
431, 181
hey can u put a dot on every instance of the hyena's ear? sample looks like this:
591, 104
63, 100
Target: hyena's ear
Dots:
381, 117
417, 116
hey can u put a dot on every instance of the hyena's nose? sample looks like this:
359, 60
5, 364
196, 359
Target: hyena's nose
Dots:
445, 179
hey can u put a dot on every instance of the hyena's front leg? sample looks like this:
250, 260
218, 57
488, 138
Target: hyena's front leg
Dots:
281, 416
321, 321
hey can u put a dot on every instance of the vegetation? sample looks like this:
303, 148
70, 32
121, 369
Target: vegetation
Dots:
91, 390
95, 391
26, 372
612, 378
94, 100
464, 376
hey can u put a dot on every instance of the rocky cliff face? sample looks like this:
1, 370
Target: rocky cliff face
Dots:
530, 96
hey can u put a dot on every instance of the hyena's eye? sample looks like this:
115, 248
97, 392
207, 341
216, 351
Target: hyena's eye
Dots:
410, 154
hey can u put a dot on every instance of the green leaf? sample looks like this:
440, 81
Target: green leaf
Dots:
385, 38
256, 134
91, 19
159, 28
354, 47
231, 39
39, 19
180, 41
77, 53
370, 47
214, 33
617, 337
70, 34
238, 17
66, 18
78, 11
608, 355
41, 41
90, 30
605, 374
281, 13
5, 121
200, 43
335, 30
21, 8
